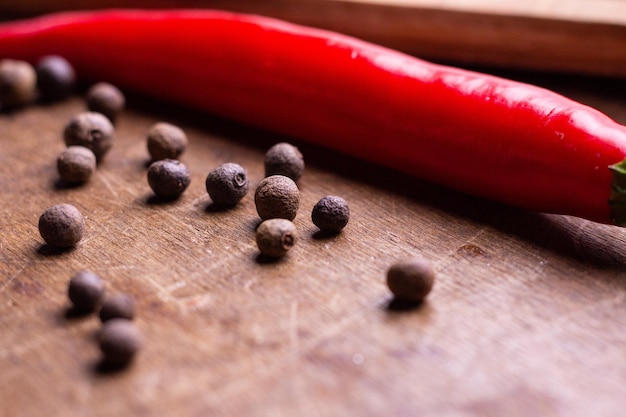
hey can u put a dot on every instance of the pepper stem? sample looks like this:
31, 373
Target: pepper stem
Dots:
617, 201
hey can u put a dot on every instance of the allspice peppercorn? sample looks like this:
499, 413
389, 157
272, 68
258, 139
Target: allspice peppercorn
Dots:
118, 306
55, 78
227, 184
76, 164
411, 279
275, 237
119, 341
91, 130
18, 83
86, 291
166, 141
277, 196
106, 99
331, 214
168, 178
284, 159
61, 225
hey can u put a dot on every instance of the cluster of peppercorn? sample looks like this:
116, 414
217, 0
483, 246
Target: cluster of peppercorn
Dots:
277, 200
88, 137
119, 338
277, 197
21, 84
53, 79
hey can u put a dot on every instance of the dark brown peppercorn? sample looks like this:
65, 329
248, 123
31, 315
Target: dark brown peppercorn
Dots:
61, 226
274, 237
86, 291
166, 141
119, 341
18, 83
331, 214
227, 184
168, 178
411, 279
91, 130
107, 99
277, 196
118, 306
55, 78
76, 164
284, 159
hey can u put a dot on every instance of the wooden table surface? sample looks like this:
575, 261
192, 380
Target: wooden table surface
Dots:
526, 317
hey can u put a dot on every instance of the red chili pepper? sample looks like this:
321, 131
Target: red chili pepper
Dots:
476, 133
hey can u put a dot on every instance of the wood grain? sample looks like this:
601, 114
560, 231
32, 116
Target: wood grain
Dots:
526, 317
582, 36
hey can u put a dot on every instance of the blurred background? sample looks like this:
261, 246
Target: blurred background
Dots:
586, 37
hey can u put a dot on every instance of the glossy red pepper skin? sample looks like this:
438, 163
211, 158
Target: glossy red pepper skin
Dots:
480, 134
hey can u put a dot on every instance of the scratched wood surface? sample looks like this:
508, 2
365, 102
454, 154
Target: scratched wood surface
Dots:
526, 317
577, 36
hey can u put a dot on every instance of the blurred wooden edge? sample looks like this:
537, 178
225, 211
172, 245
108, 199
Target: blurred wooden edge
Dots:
577, 36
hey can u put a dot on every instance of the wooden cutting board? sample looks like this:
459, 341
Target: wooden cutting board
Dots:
577, 36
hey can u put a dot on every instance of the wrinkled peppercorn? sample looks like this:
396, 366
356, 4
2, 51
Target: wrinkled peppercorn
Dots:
76, 164
86, 291
277, 196
107, 99
227, 184
91, 130
61, 225
18, 83
331, 214
166, 141
118, 306
55, 78
411, 279
284, 159
119, 341
274, 237
168, 178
